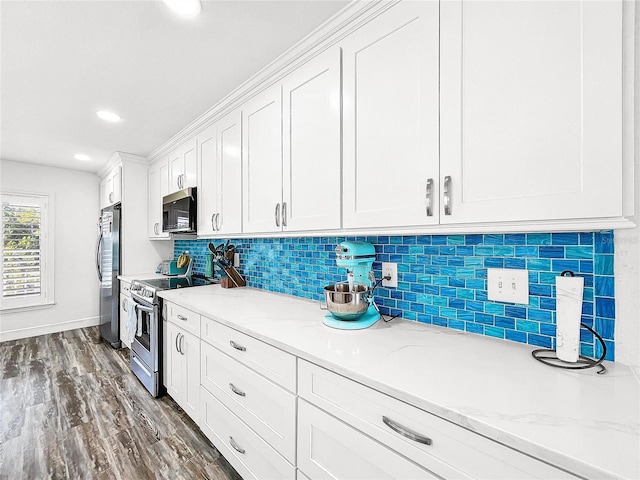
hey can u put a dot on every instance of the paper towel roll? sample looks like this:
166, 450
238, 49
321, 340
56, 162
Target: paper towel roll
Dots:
568, 312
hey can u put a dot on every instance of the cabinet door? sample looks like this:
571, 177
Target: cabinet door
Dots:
329, 448
229, 174
262, 162
116, 185
311, 145
531, 109
207, 181
124, 316
390, 98
175, 363
183, 166
190, 350
158, 188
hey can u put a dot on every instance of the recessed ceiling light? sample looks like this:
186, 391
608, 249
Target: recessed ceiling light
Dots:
82, 156
184, 8
108, 116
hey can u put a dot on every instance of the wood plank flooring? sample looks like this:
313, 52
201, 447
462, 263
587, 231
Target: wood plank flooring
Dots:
70, 408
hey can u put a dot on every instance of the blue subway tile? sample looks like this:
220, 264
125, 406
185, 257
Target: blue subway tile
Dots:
528, 251
491, 262
604, 286
604, 242
455, 240
548, 329
516, 336
466, 315
484, 318
605, 328
505, 322
610, 346
539, 315
579, 252
519, 263
562, 265
516, 312
474, 327
456, 324
604, 265
539, 340
441, 322
457, 303
540, 290
551, 252
473, 239
586, 238
494, 308
538, 239
605, 307
439, 240
564, 239
515, 239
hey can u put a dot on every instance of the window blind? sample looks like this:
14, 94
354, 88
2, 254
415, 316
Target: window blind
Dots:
21, 250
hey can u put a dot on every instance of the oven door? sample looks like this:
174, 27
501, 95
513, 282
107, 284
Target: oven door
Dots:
145, 342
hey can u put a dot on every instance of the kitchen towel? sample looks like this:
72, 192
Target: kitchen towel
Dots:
132, 319
568, 312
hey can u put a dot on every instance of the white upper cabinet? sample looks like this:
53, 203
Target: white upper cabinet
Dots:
530, 110
311, 145
158, 188
183, 166
262, 161
111, 187
220, 177
291, 151
391, 119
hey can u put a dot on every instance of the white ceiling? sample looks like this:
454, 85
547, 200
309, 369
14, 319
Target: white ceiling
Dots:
61, 61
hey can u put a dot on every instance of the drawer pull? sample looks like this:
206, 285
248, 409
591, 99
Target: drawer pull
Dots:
236, 391
235, 446
405, 432
236, 346
180, 317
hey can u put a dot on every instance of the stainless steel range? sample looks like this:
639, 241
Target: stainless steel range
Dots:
146, 347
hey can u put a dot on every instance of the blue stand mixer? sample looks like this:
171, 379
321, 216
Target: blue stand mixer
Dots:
350, 303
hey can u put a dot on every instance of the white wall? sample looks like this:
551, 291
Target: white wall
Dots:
75, 228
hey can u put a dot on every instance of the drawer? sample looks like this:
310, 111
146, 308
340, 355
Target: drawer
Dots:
184, 318
275, 364
267, 408
249, 454
451, 445
329, 448
125, 287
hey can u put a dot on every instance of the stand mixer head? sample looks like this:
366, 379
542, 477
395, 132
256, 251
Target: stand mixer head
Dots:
357, 258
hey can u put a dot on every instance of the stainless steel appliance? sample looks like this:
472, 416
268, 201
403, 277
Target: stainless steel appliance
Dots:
146, 347
108, 269
179, 212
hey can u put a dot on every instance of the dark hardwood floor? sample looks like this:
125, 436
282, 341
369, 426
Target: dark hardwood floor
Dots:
70, 408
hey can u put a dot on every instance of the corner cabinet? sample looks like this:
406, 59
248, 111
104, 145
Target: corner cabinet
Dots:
391, 159
531, 110
291, 151
220, 177
158, 188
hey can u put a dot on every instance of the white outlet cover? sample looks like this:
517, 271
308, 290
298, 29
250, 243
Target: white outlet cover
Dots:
508, 285
392, 270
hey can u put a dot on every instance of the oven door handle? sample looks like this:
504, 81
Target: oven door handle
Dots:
144, 307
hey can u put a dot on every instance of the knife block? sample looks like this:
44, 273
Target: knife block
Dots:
226, 282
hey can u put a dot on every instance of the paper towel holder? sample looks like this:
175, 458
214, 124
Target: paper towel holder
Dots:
549, 357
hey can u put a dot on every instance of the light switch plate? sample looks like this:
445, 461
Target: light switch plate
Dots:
508, 285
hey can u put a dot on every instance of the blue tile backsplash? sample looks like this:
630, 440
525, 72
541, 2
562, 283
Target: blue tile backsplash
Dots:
442, 279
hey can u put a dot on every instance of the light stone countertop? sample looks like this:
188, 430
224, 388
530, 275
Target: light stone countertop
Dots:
139, 276
585, 423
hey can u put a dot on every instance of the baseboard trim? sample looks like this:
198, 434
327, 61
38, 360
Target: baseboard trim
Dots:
46, 329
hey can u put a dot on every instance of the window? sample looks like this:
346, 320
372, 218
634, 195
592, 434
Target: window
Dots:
27, 267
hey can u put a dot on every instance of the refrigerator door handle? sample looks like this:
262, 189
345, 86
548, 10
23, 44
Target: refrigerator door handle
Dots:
98, 255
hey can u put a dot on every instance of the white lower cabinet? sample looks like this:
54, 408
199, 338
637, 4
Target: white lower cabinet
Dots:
440, 448
182, 353
329, 448
247, 452
248, 401
124, 314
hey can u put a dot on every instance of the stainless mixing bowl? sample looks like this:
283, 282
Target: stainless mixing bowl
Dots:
345, 303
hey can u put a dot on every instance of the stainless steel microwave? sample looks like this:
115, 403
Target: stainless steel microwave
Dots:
179, 212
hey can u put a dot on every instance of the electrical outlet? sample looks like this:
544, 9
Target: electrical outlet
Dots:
391, 270
236, 259
508, 285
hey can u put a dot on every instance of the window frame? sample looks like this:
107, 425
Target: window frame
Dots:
46, 297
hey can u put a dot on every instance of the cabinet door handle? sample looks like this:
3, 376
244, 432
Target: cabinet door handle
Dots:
213, 223
177, 338
155, 228
447, 195
180, 317
235, 446
236, 346
429, 197
236, 391
124, 304
405, 432
181, 344
217, 222
110, 196
277, 215
284, 214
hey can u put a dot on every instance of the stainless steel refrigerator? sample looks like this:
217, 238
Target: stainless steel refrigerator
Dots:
108, 268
